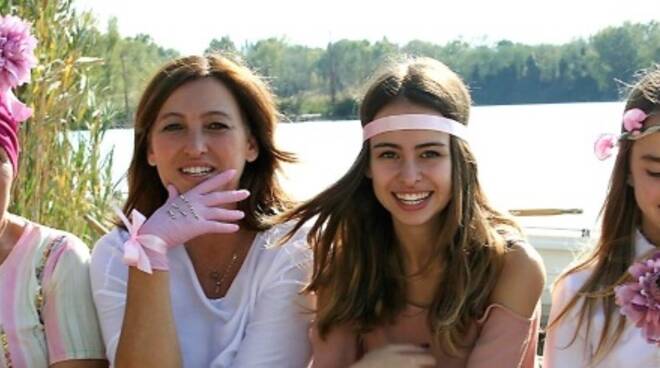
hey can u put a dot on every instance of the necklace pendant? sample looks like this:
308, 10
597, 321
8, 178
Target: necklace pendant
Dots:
215, 276
219, 278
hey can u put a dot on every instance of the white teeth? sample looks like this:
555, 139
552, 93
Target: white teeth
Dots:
412, 197
197, 170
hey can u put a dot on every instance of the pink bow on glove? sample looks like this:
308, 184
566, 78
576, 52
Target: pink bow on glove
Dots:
181, 218
135, 248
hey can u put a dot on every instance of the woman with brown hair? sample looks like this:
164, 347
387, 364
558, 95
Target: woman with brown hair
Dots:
587, 328
412, 266
197, 283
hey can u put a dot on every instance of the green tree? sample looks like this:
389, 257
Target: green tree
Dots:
128, 62
617, 55
326, 80
224, 46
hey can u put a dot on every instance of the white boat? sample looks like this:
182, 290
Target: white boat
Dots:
559, 248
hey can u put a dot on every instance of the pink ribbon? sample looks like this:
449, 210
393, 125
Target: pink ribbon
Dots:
134, 253
414, 122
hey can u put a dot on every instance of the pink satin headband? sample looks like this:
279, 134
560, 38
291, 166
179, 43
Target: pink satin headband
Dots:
414, 122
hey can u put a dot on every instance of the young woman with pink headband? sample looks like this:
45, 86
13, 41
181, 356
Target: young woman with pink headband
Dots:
606, 309
47, 316
412, 265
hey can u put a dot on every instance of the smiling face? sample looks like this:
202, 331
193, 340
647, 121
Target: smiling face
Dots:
411, 170
199, 132
645, 179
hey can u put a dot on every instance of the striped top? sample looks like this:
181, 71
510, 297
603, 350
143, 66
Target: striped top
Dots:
46, 309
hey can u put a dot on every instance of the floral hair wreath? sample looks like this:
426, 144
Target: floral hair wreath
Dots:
633, 125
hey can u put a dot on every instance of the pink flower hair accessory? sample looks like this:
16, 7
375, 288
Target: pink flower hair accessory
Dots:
639, 299
16, 59
632, 120
16, 52
605, 145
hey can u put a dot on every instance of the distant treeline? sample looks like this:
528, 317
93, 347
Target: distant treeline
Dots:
324, 82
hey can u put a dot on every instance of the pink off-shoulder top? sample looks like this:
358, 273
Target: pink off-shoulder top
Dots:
500, 338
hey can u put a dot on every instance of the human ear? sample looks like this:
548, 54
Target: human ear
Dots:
151, 160
252, 149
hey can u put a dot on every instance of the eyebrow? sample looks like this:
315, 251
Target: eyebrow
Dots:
651, 158
217, 112
206, 114
419, 146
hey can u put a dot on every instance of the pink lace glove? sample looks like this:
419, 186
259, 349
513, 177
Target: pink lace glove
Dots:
181, 218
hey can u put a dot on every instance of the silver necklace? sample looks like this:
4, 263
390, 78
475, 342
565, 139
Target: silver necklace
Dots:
219, 278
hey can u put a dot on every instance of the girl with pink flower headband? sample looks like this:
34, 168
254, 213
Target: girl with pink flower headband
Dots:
47, 315
412, 265
606, 309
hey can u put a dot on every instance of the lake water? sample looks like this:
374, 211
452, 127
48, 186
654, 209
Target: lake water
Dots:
529, 156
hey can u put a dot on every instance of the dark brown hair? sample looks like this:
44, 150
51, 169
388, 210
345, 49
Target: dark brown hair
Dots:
613, 253
145, 190
358, 267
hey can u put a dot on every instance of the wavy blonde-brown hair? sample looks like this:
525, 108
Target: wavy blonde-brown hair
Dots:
614, 252
357, 261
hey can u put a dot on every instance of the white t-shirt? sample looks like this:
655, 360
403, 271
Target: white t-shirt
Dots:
631, 350
262, 321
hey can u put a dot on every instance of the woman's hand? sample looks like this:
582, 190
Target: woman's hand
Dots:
403, 355
183, 217
196, 212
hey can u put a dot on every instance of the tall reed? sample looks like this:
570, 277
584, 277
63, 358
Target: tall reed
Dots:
63, 177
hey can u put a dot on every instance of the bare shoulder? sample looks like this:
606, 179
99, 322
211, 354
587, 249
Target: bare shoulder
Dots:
521, 281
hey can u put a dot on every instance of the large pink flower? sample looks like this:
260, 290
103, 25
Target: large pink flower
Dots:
16, 52
15, 107
640, 299
605, 145
633, 118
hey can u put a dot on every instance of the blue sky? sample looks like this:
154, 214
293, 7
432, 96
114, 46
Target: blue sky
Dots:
190, 25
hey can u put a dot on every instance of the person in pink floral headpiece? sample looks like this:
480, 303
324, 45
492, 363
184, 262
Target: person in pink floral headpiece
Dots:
47, 316
606, 309
16, 60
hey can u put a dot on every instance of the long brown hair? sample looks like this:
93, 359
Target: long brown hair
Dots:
145, 190
357, 262
614, 252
